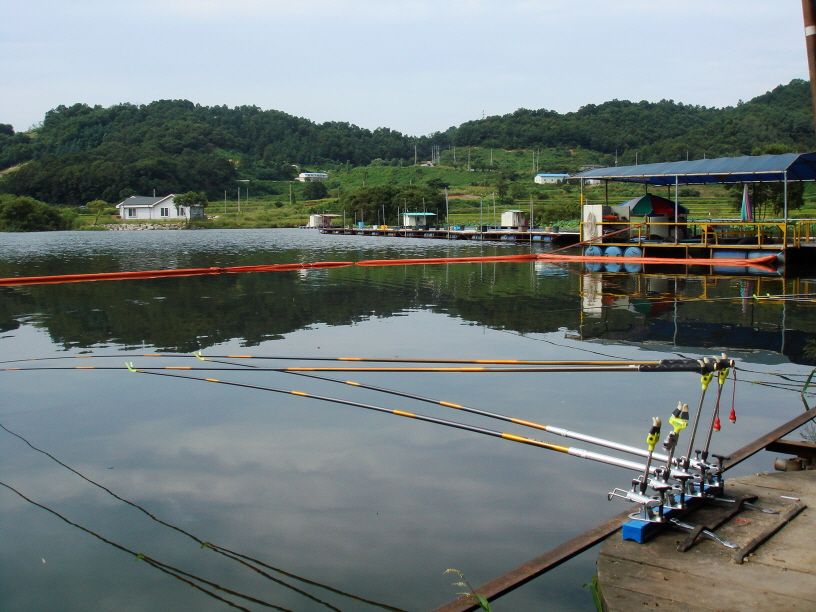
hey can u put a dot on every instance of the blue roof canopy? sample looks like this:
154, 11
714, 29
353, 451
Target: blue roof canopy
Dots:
747, 169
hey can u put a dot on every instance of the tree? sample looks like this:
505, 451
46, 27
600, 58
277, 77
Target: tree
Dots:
96, 207
190, 199
23, 214
315, 190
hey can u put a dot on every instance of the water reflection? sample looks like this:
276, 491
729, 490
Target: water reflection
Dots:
372, 504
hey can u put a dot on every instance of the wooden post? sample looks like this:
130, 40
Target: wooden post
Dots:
809, 13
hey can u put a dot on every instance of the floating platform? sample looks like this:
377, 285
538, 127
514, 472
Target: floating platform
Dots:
493, 235
777, 571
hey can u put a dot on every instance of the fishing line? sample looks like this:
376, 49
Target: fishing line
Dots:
168, 569
420, 417
548, 428
218, 549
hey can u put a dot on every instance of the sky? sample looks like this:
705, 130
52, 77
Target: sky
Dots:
416, 66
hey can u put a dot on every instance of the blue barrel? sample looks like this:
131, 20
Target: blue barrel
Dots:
613, 267
593, 266
613, 251
593, 251
633, 251
633, 268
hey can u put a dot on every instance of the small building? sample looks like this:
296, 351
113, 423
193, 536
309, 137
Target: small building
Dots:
139, 208
324, 220
308, 177
542, 179
513, 218
416, 219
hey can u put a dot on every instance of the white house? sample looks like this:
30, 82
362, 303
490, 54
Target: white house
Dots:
513, 218
416, 219
308, 177
550, 178
138, 208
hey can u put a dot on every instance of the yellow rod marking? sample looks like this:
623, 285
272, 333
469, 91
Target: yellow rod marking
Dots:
350, 359
450, 405
301, 393
529, 424
212, 380
8, 369
152, 355
405, 414
178, 368
352, 383
85, 368
503, 361
555, 447
240, 356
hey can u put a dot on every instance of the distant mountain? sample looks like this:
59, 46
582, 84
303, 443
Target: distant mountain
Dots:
81, 153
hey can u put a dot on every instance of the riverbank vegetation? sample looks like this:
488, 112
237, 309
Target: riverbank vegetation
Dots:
244, 159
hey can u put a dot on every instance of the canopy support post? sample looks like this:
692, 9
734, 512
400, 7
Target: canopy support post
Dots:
785, 203
676, 210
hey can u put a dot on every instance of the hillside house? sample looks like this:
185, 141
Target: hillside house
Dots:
544, 178
140, 208
308, 177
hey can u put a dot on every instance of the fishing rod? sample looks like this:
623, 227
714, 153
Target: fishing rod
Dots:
556, 362
576, 452
666, 365
632, 450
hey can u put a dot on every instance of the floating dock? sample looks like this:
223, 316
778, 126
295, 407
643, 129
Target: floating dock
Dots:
493, 235
774, 570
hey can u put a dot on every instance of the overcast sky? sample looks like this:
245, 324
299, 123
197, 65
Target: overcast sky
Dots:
416, 66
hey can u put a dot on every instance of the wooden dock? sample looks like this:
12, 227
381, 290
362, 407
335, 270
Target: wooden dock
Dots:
779, 575
493, 235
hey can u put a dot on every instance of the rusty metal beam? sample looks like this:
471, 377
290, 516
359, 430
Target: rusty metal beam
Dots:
754, 447
552, 558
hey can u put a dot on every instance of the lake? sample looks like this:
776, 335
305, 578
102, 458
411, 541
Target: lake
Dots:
370, 504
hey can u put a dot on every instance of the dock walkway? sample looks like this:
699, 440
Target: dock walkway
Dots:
497, 235
779, 576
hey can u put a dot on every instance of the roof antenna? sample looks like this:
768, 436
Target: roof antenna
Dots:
154, 193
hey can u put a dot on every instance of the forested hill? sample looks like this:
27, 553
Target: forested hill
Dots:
661, 131
81, 153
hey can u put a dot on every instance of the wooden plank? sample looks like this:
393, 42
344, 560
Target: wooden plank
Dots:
793, 447
703, 565
622, 599
688, 589
754, 447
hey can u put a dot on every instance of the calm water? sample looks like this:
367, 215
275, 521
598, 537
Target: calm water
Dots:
367, 503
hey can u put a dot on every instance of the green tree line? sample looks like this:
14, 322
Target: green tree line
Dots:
82, 153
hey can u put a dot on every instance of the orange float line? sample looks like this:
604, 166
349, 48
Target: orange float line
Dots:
759, 262
107, 276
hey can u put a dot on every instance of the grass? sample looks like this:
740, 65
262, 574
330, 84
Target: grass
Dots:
271, 206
